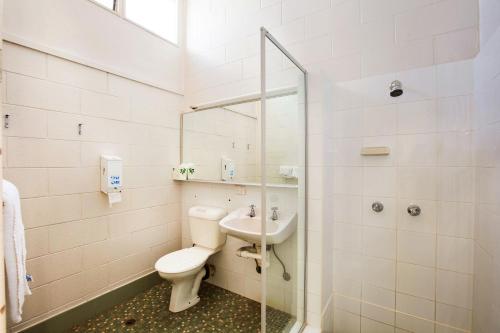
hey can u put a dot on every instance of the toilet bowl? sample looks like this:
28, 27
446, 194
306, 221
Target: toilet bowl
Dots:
185, 268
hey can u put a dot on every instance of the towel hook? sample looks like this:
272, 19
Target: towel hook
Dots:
6, 121
80, 129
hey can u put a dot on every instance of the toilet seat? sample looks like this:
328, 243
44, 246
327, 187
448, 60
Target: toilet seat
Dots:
183, 260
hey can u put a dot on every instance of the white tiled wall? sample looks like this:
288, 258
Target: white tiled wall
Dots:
353, 49
413, 273
52, 25
78, 247
486, 316
345, 38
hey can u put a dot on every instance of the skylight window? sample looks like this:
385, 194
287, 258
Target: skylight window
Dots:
157, 16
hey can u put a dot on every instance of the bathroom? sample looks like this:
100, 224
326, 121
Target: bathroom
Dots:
250, 166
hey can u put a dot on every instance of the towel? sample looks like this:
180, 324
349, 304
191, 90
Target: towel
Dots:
14, 252
289, 171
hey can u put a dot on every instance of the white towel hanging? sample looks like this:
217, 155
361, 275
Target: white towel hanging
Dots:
15, 252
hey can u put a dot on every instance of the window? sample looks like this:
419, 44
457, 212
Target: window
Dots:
158, 16
110, 4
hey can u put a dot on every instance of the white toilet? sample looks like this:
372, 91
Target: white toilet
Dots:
184, 268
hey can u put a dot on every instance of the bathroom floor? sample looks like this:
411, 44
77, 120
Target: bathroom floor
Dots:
219, 310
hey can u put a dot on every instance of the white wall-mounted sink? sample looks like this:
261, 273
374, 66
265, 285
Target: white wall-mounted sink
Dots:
242, 226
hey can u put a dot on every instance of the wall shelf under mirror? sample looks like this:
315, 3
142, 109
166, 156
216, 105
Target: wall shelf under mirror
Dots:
220, 182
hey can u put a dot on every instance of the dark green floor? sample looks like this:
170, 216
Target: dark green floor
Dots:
219, 310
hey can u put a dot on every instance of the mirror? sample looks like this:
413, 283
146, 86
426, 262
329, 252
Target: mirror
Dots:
223, 143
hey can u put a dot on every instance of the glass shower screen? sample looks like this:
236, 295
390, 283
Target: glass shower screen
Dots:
284, 187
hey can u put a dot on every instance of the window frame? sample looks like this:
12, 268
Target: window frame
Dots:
119, 10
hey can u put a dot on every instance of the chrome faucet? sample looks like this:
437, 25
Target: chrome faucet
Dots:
274, 217
252, 211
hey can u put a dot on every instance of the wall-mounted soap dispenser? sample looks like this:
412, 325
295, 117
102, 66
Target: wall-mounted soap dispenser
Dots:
111, 178
228, 169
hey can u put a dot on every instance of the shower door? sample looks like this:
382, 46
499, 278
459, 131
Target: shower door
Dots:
283, 182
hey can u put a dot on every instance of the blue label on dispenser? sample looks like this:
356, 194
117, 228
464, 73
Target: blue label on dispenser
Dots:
114, 180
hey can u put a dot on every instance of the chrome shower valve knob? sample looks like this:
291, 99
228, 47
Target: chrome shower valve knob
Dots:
414, 210
377, 206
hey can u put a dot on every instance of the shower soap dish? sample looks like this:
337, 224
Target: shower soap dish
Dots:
375, 151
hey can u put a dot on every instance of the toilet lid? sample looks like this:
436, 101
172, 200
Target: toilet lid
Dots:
183, 260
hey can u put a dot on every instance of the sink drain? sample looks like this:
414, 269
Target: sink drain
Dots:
130, 322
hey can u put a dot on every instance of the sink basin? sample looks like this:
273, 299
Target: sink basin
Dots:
242, 226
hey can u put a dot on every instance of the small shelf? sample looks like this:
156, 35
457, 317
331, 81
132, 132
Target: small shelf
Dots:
220, 182
375, 151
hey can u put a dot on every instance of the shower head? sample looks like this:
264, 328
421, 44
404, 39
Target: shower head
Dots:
396, 88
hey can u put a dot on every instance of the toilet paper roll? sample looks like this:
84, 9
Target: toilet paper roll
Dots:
114, 198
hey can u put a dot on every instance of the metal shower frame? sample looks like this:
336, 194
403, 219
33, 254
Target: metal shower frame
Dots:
265, 34
263, 96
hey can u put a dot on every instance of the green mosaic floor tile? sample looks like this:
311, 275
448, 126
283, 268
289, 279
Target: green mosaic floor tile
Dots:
219, 310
